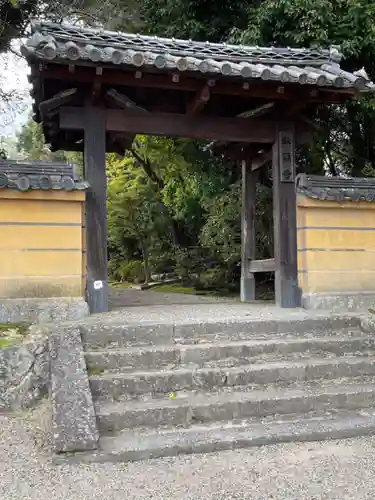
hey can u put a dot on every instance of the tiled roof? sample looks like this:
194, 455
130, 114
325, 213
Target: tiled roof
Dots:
25, 176
336, 188
71, 44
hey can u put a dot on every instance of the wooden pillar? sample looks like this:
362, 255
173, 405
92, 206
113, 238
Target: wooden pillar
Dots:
96, 210
249, 180
284, 216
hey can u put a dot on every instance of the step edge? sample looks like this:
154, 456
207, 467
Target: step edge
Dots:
247, 343
105, 408
304, 430
256, 367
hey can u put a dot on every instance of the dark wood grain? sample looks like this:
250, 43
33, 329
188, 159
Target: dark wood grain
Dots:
95, 209
249, 179
177, 125
285, 228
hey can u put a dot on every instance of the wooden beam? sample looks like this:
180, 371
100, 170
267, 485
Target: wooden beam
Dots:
238, 151
248, 114
311, 123
284, 215
51, 106
260, 110
123, 101
177, 125
124, 142
189, 84
249, 180
62, 145
261, 159
262, 266
96, 90
199, 101
95, 209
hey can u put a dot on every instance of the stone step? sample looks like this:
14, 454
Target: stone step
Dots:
133, 445
224, 354
193, 408
115, 385
117, 335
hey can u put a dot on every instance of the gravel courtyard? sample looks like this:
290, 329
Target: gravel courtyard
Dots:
332, 470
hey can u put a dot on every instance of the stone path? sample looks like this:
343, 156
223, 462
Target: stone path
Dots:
130, 297
136, 306
338, 470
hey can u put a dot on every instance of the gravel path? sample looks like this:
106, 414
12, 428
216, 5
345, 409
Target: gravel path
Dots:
130, 297
340, 470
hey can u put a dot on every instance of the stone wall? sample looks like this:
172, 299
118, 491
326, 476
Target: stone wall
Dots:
24, 373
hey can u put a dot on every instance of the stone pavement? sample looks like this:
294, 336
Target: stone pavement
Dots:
337, 470
137, 306
130, 297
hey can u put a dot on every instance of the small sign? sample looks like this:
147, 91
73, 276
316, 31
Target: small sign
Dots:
287, 159
98, 285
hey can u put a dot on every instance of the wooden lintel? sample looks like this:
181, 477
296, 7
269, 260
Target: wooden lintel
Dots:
252, 113
177, 125
189, 84
123, 101
51, 105
63, 145
262, 266
238, 151
199, 101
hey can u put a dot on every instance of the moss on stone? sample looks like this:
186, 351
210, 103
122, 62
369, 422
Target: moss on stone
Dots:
12, 333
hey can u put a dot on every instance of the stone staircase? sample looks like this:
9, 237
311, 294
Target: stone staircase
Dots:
163, 390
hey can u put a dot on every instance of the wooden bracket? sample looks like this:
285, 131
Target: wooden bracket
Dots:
51, 106
123, 101
199, 100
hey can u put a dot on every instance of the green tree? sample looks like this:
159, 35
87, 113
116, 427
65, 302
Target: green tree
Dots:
210, 20
346, 140
134, 215
31, 145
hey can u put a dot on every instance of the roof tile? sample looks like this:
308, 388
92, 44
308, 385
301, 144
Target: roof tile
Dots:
60, 42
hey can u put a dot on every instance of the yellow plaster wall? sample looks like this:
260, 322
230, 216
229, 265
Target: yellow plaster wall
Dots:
336, 245
41, 244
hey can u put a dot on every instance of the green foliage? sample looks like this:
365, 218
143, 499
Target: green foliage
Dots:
208, 20
31, 145
346, 140
136, 222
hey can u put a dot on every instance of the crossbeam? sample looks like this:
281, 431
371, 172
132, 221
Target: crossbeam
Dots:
176, 125
262, 266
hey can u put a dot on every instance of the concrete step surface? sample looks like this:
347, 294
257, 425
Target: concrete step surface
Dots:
193, 407
116, 335
115, 385
145, 444
225, 354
